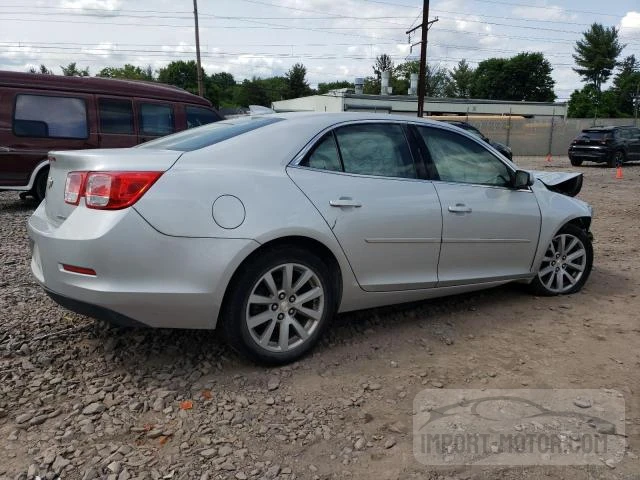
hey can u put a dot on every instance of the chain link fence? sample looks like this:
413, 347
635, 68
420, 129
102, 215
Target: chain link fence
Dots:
538, 136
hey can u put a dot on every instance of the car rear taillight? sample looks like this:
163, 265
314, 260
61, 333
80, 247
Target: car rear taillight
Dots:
110, 190
73, 187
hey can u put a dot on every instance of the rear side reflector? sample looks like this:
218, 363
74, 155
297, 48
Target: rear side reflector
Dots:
81, 270
109, 190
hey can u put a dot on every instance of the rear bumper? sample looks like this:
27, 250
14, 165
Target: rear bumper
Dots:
593, 155
142, 276
94, 311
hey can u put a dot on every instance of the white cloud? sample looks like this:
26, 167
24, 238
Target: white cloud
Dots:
631, 22
103, 49
101, 8
549, 12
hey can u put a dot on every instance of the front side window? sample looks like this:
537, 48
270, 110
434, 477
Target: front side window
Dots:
50, 117
116, 116
156, 119
198, 116
460, 159
379, 149
324, 156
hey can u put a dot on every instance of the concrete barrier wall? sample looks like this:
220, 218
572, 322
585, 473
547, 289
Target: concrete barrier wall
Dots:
531, 136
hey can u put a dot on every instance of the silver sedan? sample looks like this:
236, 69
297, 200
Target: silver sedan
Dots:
267, 226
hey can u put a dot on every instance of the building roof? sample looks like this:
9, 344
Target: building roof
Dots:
107, 86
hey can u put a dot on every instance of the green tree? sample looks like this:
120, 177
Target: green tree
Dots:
325, 87
72, 70
460, 80
296, 82
526, 76
383, 64
588, 103
436, 78
42, 70
181, 74
626, 85
596, 54
221, 89
128, 71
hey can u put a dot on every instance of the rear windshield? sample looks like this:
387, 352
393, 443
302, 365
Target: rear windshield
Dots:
596, 134
207, 135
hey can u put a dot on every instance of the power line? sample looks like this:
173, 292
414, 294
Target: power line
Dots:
498, 2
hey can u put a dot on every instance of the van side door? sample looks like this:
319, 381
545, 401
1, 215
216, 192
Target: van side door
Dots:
41, 121
116, 122
155, 119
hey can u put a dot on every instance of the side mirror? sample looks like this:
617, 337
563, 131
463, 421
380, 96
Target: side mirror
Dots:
522, 179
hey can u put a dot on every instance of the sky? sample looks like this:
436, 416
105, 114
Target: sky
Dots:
334, 39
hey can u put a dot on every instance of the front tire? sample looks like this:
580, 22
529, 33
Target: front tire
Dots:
576, 162
278, 306
566, 264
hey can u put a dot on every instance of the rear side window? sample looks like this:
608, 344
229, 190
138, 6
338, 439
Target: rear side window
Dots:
50, 117
116, 116
379, 149
208, 135
198, 116
156, 119
324, 156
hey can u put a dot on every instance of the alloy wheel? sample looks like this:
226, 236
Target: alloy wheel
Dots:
564, 263
285, 307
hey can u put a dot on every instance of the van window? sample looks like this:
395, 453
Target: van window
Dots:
156, 119
50, 117
116, 116
198, 116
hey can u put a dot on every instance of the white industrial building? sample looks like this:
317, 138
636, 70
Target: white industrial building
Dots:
345, 100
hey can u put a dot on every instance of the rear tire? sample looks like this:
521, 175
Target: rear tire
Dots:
39, 188
576, 162
279, 304
617, 159
566, 264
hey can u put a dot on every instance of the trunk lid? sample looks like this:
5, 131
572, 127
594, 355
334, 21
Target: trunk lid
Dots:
125, 159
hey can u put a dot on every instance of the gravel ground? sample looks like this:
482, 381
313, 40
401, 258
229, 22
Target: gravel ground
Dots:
82, 400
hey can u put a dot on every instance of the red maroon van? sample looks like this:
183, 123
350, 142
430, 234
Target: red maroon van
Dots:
39, 113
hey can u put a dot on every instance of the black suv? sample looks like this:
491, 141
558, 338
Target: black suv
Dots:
613, 145
501, 147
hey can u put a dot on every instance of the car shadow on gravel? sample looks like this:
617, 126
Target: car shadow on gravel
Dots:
163, 351
27, 205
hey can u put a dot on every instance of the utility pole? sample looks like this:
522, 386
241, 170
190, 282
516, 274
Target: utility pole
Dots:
195, 15
423, 55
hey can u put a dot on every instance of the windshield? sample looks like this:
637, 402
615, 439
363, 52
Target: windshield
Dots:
208, 135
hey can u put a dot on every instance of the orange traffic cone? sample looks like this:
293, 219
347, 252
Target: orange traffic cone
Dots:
548, 158
619, 172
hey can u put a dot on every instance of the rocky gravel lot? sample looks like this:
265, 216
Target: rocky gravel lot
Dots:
81, 400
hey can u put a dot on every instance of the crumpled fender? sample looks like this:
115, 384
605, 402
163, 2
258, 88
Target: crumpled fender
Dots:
568, 184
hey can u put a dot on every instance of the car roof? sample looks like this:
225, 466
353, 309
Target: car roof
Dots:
107, 86
328, 119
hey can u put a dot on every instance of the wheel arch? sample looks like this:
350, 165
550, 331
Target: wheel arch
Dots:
312, 245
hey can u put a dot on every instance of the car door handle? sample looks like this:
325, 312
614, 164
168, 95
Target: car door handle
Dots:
459, 208
345, 202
